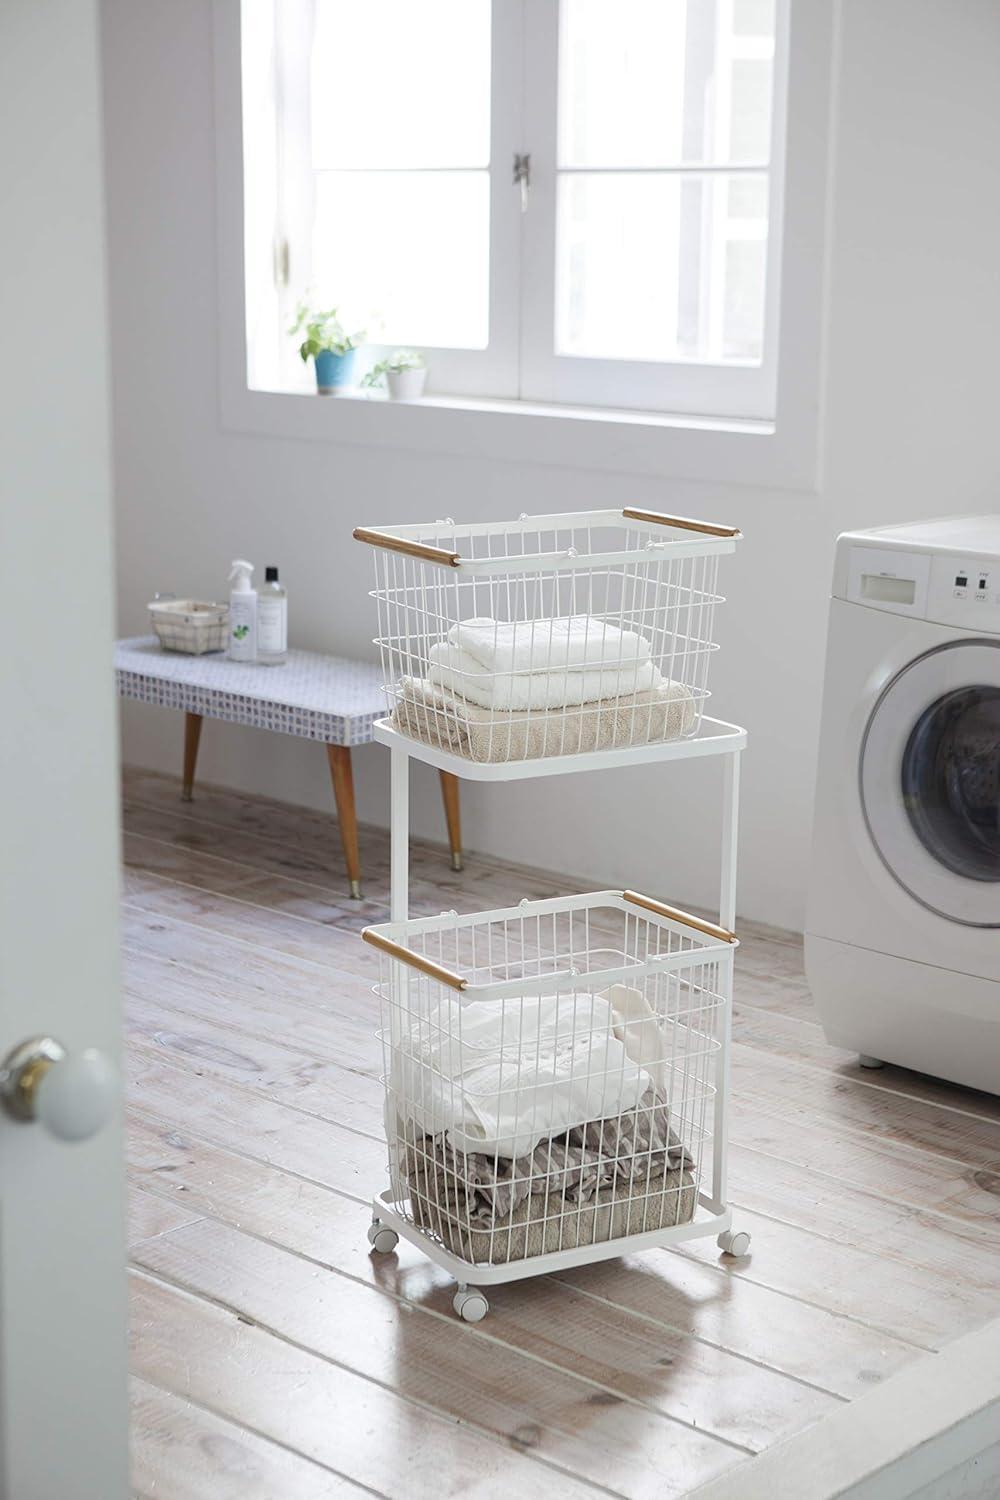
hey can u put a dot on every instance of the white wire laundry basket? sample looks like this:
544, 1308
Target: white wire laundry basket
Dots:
555, 1084
548, 635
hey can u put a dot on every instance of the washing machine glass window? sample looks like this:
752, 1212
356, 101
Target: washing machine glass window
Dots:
950, 781
930, 780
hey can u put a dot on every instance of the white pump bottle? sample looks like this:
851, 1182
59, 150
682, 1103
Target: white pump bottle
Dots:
242, 613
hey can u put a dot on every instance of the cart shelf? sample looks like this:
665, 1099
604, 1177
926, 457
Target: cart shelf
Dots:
714, 737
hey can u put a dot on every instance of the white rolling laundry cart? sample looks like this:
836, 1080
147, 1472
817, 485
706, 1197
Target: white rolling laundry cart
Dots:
557, 1074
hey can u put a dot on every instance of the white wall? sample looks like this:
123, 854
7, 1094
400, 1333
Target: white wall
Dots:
912, 430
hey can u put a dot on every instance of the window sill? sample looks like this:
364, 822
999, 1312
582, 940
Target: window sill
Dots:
698, 449
608, 416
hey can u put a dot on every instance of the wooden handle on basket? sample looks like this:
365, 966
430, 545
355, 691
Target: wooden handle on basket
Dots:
412, 549
685, 523
415, 960
711, 929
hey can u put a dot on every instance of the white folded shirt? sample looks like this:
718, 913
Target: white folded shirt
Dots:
547, 645
502, 1075
467, 677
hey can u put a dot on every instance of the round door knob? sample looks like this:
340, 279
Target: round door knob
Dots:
71, 1096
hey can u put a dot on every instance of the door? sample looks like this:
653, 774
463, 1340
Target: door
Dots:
930, 781
62, 1269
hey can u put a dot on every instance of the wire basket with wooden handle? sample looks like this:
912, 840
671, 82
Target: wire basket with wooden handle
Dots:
548, 635
554, 1079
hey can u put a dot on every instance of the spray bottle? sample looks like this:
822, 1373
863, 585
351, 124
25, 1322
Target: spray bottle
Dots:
242, 613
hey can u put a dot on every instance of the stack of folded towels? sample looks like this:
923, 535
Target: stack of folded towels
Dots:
499, 691
539, 1122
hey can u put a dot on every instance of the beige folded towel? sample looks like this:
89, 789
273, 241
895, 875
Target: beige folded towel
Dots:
440, 718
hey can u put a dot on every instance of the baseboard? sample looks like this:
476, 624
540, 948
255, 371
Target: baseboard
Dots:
917, 1432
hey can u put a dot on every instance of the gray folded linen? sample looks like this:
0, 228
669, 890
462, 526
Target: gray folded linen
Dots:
441, 718
599, 1181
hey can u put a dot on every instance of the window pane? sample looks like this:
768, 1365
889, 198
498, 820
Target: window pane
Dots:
748, 199
405, 255
750, 110
742, 320
648, 83
753, 18
654, 267
397, 83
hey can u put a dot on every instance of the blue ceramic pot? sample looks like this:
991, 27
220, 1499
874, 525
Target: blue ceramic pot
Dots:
333, 370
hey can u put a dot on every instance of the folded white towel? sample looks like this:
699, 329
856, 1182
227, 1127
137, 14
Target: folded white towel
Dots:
467, 677
502, 1075
547, 645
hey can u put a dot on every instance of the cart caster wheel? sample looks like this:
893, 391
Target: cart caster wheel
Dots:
734, 1242
869, 1062
470, 1305
382, 1239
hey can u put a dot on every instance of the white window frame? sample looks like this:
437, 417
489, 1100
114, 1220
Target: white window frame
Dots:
722, 390
492, 371
783, 450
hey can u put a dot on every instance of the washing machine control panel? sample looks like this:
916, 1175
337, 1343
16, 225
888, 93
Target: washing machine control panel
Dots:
965, 591
944, 587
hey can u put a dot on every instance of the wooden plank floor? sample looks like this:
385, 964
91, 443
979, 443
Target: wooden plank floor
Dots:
273, 1357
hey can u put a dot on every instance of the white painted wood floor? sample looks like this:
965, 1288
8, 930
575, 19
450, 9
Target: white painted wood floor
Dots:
273, 1357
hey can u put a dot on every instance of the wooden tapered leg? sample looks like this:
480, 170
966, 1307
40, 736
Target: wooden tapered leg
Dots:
343, 791
192, 735
452, 811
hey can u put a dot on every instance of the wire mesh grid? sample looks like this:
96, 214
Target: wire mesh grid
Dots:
548, 639
569, 1102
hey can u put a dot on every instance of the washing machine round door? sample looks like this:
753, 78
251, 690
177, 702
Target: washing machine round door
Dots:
930, 781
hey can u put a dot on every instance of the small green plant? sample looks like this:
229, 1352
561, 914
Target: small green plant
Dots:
397, 362
240, 631
323, 332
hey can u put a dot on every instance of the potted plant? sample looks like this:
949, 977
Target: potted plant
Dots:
404, 372
329, 344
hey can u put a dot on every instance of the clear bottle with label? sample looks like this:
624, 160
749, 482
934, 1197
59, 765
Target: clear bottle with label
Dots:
272, 621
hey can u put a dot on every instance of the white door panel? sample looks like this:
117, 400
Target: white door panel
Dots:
62, 1277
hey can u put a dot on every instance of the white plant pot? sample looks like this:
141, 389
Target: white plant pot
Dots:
405, 385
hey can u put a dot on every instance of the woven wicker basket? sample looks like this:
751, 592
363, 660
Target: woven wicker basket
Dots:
189, 625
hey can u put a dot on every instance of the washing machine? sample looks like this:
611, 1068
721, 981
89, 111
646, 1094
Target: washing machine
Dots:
903, 924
